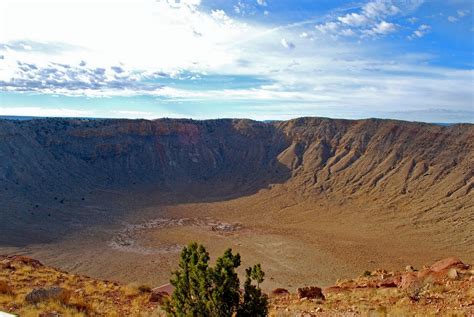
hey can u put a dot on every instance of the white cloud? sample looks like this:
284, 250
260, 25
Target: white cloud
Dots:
43, 112
380, 8
156, 35
159, 41
262, 3
287, 44
460, 14
382, 28
420, 32
181, 3
347, 32
452, 19
221, 16
328, 27
372, 19
463, 13
354, 19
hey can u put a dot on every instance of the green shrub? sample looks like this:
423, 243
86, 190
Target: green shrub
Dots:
202, 290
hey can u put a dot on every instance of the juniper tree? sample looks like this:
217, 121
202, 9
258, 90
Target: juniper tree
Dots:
255, 302
202, 290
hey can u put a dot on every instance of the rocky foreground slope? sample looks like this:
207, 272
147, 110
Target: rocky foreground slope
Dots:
445, 288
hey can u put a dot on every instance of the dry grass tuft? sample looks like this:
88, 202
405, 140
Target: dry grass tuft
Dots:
5, 288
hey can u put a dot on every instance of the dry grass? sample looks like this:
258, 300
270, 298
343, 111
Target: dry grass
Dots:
89, 297
5, 288
83, 297
450, 298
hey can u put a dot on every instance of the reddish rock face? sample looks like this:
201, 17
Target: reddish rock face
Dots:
451, 262
311, 292
438, 273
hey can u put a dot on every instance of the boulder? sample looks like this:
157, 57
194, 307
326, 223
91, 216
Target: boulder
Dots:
410, 280
165, 288
26, 260
311, 292
158, 297
451, 262
45, 294
280, 292
393, 281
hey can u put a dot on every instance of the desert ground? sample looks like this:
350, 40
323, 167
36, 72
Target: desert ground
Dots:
298, 241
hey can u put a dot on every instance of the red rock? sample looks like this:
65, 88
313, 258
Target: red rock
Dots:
26, 260
158, 297
390, 282
165, 288
280, 292
448, 263
310, 292
409, 280
434, 277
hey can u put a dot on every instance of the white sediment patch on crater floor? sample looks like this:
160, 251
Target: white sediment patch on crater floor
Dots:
126, 240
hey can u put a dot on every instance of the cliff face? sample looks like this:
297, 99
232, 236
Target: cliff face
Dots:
381, 161
420, 166
61, 155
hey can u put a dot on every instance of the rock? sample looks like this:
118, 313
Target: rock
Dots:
311, 292
389, 282
165, 288
26, 260
158, 296
409, 280
453, 274
428, 276
45, 294
280, 292
448, 263
409, 268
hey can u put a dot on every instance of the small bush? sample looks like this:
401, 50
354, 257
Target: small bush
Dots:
202, 290
144, 289
82, 306
5, 288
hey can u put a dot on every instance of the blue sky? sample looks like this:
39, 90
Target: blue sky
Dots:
259, 59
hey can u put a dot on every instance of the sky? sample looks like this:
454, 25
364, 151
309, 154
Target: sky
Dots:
258, 59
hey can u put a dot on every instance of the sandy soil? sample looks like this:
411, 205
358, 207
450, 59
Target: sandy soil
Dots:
299, 241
